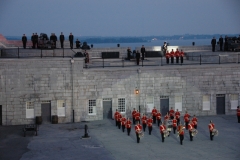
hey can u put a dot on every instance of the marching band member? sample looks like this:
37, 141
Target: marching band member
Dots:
154, 114
186, 119
171, 113
177, 55
194, 120
128, 126
172, 56
149, 123
190, 127
238, 114
123, 122
166, 117
181, 55
116, 117
137, 116
159, 118
138, 128
167, 57
162, 128
181, 133
174, 123
119, 120
144, 122
177, 115
211, 126
133, 115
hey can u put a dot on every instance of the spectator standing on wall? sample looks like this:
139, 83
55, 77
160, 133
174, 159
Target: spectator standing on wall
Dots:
24, 41
62, 38
137, 57
143, 52
71, 37
129, 53
213, 42
33, 42
221, 42
36, 39
226, 43
164, 48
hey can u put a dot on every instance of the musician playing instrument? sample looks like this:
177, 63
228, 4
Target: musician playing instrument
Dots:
144, 122
186, 119
177, 115
181, 133
174, 123
119, 120
123, 122
138, 129
211, 126
128, 126
162, 129
116, 117
172, 56
137, 116
159, 118
238, 114
154, 114
149, 123
133, 115
166, 117
171, 113
177, 55
194, 120
190, 127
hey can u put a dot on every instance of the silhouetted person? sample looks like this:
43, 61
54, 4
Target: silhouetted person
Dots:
143, 52
137, 57
129, 53
24, 41
213, 42
36, 39
71, 37
226, 43
78, 44
33, 41
61, 38
221, 42
164, 48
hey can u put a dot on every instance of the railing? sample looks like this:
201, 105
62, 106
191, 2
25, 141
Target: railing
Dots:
36, 53
161, 61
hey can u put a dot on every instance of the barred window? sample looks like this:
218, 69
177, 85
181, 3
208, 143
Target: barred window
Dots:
61, 108
234, 101
121, 105
206, 102
29, 110
92, 107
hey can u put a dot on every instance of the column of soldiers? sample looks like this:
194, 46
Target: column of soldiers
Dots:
174, 55
171, 119
53, 39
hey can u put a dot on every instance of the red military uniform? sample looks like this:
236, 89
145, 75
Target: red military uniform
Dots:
171, 113
116, 117
166, 118
159, 116
149, 122
186, 117
238, 114
137, 116
172, 56
138, 128
128, 126
167, 57
174, 123
123, 121
177, 115
190, 127
162, 128
154, 114
181, 133
133, 115
181, 56
119, 117
194, 120
144, 120
211, 126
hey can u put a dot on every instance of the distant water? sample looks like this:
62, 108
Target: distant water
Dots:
198, 42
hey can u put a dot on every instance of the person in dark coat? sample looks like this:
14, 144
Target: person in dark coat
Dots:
226, 43
62, 38
36, 39
24, 41
71, 37
143, 52
213, 42
129, 53
137, 57
221, 42
78, 44
33, 41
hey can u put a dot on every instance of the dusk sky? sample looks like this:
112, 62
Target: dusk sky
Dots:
119, 17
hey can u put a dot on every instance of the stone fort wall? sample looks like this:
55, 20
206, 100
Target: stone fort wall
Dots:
52, 79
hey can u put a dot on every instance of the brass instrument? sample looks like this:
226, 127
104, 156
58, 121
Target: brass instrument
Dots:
194, 132
140, 134
180, 130
165, 133
215, 132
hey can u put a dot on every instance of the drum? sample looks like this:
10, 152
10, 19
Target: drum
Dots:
169, 124
215, 132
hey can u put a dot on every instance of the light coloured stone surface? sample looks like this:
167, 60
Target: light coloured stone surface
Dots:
52, 79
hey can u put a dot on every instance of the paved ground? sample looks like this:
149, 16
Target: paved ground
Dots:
63, 141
